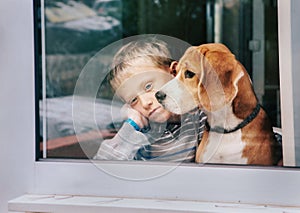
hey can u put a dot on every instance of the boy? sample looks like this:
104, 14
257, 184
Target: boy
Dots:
139, 69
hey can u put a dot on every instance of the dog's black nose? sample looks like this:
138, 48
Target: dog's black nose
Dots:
160, 96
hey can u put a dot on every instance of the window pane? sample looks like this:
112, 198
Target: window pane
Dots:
76, 30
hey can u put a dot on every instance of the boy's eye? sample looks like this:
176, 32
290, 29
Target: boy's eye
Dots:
148, 86
133, 101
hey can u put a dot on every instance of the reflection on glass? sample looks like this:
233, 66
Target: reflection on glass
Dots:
75, 30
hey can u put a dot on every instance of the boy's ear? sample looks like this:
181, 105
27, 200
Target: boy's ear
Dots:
172, 68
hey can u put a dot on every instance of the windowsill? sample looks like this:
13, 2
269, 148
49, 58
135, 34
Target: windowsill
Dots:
90, 204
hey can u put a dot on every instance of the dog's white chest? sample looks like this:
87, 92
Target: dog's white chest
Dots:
224, 148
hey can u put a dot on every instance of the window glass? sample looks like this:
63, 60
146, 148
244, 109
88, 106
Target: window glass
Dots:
70, 33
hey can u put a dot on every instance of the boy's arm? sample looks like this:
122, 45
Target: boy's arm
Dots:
123, 146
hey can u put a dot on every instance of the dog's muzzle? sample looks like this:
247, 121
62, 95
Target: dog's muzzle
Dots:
175, 97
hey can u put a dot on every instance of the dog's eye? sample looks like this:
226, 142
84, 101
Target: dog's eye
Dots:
189, 74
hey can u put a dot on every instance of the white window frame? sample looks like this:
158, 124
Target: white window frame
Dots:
206, 183
257, 185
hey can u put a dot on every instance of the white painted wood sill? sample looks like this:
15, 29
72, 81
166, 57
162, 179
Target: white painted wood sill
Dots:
80, 204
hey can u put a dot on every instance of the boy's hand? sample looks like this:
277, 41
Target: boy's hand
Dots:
135, 115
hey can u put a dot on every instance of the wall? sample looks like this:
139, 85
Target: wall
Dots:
16, 99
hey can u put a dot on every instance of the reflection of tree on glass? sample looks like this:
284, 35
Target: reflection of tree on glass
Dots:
150, 132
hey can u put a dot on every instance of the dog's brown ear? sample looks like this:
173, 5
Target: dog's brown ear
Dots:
219, 78
229, 74
204, 87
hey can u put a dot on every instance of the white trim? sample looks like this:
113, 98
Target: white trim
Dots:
255, 185
74, 204
286, 82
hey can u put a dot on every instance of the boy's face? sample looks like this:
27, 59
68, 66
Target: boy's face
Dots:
138, 89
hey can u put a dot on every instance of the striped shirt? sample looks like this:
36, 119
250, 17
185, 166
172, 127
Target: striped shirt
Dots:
175, 142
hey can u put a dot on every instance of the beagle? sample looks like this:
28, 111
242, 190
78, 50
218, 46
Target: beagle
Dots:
238, 130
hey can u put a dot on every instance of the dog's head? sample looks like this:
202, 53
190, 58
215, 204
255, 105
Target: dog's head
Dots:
207, 77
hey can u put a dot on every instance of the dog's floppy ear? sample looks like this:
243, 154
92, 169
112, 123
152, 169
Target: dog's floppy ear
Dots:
207, 85
218, 77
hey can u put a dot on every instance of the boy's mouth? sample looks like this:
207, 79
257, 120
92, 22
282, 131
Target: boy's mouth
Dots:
153, 111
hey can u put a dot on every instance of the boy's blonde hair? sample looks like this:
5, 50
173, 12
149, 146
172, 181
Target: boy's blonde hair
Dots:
148, 51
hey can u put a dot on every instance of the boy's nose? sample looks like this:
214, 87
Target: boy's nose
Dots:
146, 100
160, 96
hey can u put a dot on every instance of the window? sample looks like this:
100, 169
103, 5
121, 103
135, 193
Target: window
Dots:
204, 183
74, 31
